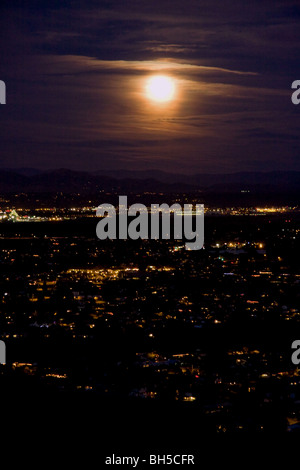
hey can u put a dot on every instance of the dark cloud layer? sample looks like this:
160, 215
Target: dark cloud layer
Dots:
75, 73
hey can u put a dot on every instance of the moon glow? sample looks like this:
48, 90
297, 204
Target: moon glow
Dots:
160, 88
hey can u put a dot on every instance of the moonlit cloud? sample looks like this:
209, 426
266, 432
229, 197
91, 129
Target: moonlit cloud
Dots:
76, 77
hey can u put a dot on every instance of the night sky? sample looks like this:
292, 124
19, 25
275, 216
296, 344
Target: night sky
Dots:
76, 75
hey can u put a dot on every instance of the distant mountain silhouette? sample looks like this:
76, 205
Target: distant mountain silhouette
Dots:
229, 181
70, 181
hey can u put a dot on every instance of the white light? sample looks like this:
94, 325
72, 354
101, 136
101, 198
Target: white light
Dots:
160, 88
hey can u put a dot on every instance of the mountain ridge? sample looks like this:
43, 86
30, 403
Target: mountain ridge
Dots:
69, 181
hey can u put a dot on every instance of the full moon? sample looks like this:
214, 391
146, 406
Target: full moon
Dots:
160, 88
